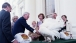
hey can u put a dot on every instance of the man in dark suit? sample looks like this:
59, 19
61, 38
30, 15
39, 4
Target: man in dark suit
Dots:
5, 25
21, 24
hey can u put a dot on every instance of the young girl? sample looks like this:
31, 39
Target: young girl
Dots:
33, 35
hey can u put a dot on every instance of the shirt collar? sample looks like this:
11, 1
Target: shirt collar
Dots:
4, 9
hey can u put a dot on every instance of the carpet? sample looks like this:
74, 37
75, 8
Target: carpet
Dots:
57, 41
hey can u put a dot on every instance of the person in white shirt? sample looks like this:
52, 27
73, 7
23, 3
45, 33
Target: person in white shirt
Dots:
66, 32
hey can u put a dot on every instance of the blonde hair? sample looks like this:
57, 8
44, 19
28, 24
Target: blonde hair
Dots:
15, 17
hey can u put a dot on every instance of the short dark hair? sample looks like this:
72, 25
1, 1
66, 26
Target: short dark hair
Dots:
5, 5
64, 16
42, 15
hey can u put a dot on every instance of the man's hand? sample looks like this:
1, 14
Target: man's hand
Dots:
37, 32
15, 41
34, 36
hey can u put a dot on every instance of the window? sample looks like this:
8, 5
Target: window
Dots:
49, 7
22, 10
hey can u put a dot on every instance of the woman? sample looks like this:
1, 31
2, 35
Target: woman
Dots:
41, 17
14, 19
66, 31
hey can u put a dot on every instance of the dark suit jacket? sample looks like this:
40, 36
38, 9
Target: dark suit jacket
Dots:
20, 25
5, 27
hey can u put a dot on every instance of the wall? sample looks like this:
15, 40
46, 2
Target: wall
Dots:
67, 7
40, 7
34, 7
